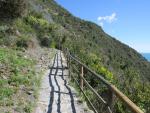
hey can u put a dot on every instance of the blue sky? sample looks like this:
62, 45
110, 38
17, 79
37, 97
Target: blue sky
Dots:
126, 20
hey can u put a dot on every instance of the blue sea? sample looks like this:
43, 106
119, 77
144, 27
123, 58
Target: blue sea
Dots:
146, 55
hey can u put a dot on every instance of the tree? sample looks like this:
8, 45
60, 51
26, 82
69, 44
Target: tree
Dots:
12, 8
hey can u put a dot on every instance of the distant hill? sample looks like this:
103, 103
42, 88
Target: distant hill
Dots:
146, 55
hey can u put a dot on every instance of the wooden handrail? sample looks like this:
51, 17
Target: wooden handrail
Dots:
93, 90
85, 95
87, 68
132, 106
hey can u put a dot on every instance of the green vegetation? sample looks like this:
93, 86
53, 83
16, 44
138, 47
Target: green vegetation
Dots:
18, 82
51, 26
12, 8
115, 61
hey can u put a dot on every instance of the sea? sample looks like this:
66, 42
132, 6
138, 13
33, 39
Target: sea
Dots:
146, 55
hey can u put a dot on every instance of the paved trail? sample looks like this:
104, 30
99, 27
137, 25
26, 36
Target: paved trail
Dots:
55, 95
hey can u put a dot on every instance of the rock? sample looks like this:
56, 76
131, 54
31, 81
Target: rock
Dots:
31, 97
30, 92
18, 33
22, 87
4, 77
1, 65
25, 56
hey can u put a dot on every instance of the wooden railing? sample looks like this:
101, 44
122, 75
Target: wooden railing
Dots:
113, 93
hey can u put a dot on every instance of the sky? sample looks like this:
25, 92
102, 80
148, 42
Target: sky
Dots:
126, 20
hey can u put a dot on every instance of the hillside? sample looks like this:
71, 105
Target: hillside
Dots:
106, 55
52, 26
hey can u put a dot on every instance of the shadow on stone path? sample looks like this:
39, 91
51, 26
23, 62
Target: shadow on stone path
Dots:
57, 72
56, 96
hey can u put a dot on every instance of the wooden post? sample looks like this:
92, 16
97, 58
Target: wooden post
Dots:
81, 80
69, 63
68, 55
111, 99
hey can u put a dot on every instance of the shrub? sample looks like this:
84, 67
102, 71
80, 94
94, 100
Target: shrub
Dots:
53, 44
45, 41
48, 41
37, 21
12, 8
23, 27
4, 28
22, 43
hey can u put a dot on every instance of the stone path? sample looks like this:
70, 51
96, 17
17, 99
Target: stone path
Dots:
56, 96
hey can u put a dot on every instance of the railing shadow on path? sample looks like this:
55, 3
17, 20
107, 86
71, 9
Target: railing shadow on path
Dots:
54, 72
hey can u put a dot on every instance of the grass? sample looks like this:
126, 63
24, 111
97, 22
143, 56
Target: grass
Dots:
16, 80
6, 93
